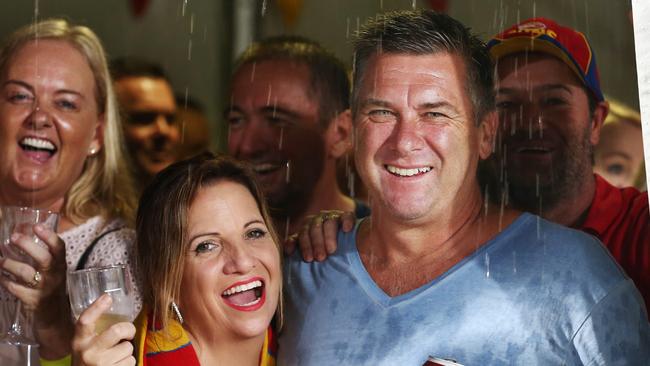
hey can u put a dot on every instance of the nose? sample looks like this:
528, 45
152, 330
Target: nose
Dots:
250, 140
239, 260
405, 137
165, 125
39, 118
527, 119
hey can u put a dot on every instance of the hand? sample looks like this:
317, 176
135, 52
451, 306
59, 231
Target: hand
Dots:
32, 284
111, 347
317, 239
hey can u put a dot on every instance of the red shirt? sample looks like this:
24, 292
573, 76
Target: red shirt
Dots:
620, 218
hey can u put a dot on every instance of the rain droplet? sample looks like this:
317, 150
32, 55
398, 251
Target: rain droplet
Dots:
288, 176
263, 7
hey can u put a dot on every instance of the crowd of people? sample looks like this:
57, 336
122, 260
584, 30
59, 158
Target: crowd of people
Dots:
488, 235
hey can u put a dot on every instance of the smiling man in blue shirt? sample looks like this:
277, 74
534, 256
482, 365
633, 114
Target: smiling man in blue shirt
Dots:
436, 271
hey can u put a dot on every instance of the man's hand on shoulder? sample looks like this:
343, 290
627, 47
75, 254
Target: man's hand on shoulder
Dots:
317, 238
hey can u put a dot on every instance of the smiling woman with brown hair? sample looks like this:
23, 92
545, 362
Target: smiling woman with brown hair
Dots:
210, 261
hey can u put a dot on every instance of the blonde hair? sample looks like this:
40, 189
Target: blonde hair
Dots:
161, 225
619, 111
105, 186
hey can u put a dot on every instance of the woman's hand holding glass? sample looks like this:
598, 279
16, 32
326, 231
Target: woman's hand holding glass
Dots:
41, 271
109, 347
33, 262
87, 285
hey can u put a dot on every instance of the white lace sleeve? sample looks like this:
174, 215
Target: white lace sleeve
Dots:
116, 247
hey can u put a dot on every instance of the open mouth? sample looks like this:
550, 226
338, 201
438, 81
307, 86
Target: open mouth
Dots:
38, 148
245, 296
267, 168
407, 172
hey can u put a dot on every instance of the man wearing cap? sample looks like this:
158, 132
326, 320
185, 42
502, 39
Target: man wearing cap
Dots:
436, 272
551, 111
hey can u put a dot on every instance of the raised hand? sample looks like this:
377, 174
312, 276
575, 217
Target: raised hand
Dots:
110, 347
31, 284
317, 238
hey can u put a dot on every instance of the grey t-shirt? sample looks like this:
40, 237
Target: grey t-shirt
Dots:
537, 294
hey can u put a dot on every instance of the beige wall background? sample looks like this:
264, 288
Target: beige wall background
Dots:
605, 22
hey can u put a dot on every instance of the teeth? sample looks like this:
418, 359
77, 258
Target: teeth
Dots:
242, 288
253, 302
38, 143
407, 172
262, 168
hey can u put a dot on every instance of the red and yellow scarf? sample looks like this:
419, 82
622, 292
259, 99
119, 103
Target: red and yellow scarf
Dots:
172, 346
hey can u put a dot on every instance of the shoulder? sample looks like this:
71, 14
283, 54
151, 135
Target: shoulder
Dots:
569, 255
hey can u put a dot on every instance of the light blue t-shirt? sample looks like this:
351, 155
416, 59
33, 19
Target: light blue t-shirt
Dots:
536, 294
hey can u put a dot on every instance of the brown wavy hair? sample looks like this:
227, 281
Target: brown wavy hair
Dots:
161, 225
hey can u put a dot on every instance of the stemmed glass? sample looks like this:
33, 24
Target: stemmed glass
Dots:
21, 220
87, 285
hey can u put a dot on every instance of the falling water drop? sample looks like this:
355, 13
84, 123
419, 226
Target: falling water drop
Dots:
183, 8
189, 50
347, 28
263, 7
413, 4
253, 71
268, 96
288, 176
487, 265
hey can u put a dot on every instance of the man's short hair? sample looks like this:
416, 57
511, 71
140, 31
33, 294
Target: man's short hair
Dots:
330, 83
124, 67
425, 32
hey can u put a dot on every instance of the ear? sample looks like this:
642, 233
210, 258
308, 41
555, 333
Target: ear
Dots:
597, 121
97, 143
338, 136
487, 134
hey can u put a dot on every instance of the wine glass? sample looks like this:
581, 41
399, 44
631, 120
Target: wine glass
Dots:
22, 220
87, 285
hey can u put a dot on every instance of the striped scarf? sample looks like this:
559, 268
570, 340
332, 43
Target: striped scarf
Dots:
173, 347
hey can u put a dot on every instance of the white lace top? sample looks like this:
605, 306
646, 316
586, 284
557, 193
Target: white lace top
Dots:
116, 247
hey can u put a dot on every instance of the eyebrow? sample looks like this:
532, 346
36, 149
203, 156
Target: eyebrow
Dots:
266, 109
31, 88
545, 87
617, 153
256, 221
279, 110
230, 110
373, 101
441, 104
210, 233
21, 83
